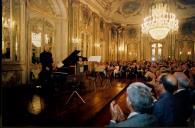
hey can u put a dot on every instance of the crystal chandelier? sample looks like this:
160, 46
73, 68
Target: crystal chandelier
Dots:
160, 22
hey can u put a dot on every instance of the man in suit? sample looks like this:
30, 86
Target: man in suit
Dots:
139, 101
46, 63
165, 107
182, 95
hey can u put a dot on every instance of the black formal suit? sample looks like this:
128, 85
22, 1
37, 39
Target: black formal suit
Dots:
164, 109
46, 62
192, 96
183, 107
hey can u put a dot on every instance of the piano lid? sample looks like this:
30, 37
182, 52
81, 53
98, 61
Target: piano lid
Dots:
71, 59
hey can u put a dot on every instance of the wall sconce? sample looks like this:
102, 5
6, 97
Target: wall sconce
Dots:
189, 53
121, 49
76, 40
180, 52
130, 53
97, 45
6, 22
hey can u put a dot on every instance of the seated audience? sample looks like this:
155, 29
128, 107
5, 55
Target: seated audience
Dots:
139, 101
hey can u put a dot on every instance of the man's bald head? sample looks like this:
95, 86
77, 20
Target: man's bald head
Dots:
183, 81
169, 82
160, 76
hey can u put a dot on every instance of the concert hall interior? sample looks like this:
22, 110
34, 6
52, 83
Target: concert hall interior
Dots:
98, 63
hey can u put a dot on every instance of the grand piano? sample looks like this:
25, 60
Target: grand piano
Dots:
69, 64
67, 71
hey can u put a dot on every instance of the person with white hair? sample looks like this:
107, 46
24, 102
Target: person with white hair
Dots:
140, 102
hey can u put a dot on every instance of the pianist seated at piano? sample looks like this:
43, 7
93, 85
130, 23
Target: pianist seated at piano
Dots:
72, 65
80, 66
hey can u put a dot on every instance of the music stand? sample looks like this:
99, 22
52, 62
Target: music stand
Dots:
94, 59
75, 92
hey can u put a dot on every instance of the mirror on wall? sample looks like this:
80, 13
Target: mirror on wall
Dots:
36, 46
10, 30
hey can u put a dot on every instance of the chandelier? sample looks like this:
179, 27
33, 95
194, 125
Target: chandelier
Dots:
160, 22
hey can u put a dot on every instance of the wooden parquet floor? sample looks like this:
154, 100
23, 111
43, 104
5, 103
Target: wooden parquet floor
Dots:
77, 113
95, 112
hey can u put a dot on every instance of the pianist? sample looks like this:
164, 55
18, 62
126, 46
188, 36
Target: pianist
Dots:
46, 63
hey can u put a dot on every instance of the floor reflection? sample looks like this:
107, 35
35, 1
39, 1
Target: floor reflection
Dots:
36, 105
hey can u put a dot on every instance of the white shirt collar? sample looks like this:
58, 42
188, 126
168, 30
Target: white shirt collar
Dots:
132, 114
179, 90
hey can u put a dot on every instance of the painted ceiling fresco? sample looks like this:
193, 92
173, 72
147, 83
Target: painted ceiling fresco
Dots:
133, 11
130, 7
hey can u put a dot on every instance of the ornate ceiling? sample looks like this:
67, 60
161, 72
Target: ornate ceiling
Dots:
42, 5
49, 7
133, 11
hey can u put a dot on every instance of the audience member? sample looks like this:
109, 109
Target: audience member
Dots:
165, 106
139, 101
